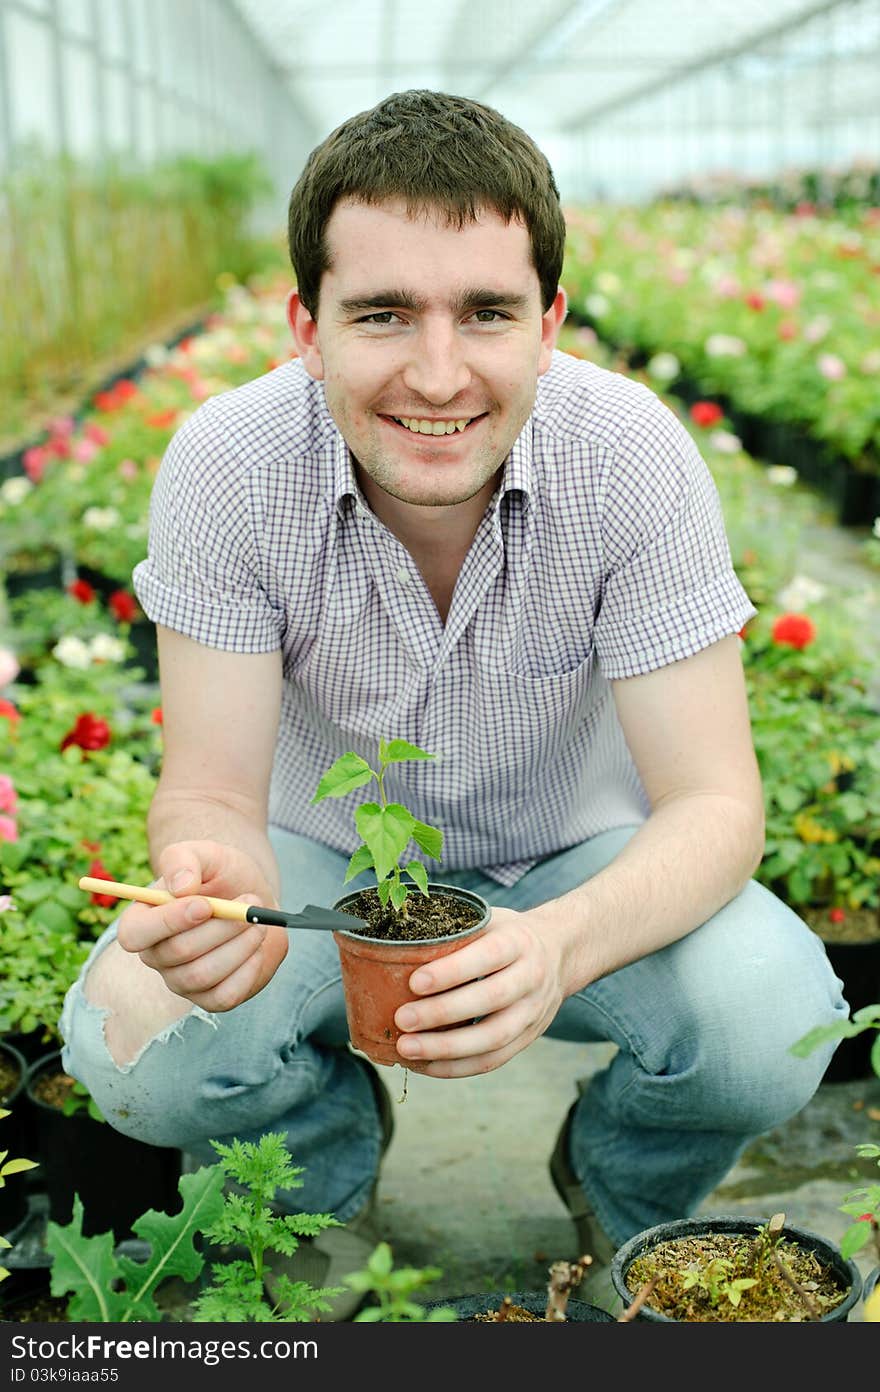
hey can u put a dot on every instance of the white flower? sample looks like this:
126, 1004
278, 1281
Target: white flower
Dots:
817, 328
101, 519
72, 652
664, 366
105, 648
15, 489
596, 306
783, 475
608, 282
725, 442
156, 355
831, 366
876, 528
800, 593
724, 346
9, 668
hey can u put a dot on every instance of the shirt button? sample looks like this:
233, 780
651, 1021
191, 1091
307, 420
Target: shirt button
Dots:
402, 575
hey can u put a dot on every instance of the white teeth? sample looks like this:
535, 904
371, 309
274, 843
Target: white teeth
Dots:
428, 427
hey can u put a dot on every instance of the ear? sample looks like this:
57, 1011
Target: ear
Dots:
305, 336
551, 323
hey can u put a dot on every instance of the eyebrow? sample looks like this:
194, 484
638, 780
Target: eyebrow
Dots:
478, 298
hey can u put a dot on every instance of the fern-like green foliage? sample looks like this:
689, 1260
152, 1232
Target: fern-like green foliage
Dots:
105, 1288
237, 1292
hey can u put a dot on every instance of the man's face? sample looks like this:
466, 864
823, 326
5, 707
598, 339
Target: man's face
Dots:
423, 323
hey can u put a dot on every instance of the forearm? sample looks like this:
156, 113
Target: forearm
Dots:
691, 857
177, 815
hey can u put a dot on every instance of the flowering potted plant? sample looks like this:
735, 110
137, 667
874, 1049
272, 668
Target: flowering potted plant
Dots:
403, 924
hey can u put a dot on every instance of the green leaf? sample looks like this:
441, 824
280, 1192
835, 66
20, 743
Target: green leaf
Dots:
429, 838
360, 861
417, 871
17, 1166
398, 751
53, 917
86, 1267
398, 893
386, 830
349, 772
380, 1261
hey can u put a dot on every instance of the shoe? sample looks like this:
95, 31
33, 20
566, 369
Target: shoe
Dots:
324, 1260
596, 1288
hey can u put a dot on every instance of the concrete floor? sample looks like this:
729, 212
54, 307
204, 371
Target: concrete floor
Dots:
465, 1184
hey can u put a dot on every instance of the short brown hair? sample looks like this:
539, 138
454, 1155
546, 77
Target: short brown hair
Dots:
434, 151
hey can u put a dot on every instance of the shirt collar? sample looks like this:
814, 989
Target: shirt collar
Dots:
518, 475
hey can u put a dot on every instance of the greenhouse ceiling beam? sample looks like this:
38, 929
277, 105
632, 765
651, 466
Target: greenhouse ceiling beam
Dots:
711, 58
277, 70
547, 32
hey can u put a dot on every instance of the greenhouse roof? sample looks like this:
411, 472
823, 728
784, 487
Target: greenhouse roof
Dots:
559, 67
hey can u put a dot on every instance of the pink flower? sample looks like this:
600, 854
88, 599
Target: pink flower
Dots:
61, 425
96, 433
831, 366
8, 798
9, 668
783, 292
128, 469
35, 461
727, 287
85, 450
8, 829
6, 902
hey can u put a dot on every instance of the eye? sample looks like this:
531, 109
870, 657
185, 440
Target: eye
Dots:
496, 313
382, 317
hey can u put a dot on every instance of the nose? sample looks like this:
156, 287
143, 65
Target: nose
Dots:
436, 367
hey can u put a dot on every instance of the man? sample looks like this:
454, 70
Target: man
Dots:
434, 526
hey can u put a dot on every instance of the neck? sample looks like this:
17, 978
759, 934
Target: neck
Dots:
446, 530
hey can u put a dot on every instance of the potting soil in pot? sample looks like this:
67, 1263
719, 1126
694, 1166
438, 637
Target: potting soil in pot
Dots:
437, 916
695, 1273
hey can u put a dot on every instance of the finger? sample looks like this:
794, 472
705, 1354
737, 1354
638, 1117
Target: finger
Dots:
186, 946
141, 928
485, 1036
204, 974
478, 998
495, 950
250, 977
473, 1065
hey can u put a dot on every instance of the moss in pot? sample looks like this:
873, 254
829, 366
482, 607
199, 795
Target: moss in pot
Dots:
403, 924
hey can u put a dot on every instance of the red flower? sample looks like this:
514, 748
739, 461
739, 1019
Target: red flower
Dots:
123, 605
787, 330
754, 300
97, 872
93, 846
156, 715
10, 712
836, 915
82, 590
97, 434
706, 413
89, 733
793, 631
865, 1218
117, 395
162, 419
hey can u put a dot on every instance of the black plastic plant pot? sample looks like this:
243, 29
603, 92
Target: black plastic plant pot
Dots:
14, 1140
858, 966
117, 1178
467, 1307
869, 1285
846, 1272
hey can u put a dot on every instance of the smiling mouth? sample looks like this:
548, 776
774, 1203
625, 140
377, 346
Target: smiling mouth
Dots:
424, 428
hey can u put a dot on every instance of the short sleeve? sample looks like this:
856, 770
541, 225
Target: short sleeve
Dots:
669, 589
202, 572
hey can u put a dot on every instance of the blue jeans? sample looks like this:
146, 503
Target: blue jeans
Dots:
703, 1028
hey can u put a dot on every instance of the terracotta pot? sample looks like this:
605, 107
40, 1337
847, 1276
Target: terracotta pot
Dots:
376, 972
